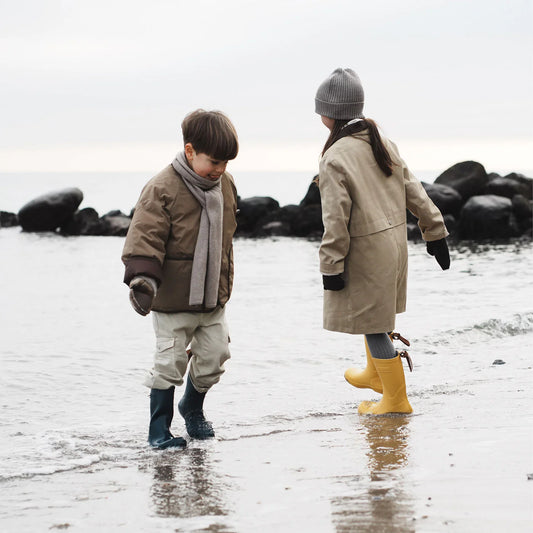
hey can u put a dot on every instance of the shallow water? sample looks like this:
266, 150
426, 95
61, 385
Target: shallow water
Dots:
291, 452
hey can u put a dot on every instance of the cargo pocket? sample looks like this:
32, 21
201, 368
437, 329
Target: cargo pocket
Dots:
165, 360
164, 344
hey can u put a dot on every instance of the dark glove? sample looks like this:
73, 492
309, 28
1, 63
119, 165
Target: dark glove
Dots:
333, 283
142, 293
440, 250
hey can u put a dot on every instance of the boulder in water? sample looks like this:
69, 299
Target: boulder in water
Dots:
520, 178
51, 210
312, 197
508, 187
116, 225
308, 221
447, 199
488, 217
523, 211
8, 220
468, 178
84, 222
253, 210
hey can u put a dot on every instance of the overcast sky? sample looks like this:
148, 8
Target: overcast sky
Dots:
104, 84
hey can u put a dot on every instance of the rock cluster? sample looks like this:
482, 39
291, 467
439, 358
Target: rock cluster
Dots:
481, 206
262, 216
58, 211
475, 205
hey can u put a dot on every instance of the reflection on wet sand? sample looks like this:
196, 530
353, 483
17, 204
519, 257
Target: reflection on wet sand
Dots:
381, 502
186, 485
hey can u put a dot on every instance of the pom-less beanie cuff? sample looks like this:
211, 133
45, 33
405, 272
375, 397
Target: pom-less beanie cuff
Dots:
339, 110
340, 96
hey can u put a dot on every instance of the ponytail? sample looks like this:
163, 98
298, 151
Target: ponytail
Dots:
335, 134
381, 154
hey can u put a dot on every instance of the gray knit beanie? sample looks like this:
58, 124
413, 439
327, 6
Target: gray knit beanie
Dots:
341, 95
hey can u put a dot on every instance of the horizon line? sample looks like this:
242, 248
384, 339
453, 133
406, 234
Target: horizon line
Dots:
495, 154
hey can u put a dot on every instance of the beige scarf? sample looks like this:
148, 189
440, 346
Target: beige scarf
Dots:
207, 259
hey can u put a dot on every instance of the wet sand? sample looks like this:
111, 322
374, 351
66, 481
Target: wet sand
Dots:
459, 464
291, 452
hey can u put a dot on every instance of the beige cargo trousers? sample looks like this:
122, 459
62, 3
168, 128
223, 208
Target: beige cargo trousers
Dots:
207, 334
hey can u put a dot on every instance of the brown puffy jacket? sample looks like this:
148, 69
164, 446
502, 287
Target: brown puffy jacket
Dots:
162, 236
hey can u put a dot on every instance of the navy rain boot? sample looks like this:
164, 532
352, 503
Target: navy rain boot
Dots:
191, 409
161, 414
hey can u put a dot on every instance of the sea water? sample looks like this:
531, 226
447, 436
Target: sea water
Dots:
291, 453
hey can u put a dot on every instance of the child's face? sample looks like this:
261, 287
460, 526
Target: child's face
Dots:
204, 165
328, 122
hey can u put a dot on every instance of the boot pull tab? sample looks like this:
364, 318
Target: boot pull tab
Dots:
406, 356
398, 337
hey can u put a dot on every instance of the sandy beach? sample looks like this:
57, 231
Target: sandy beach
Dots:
291, 452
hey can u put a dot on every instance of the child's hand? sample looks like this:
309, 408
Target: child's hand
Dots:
440, 250
142, 294
333, 283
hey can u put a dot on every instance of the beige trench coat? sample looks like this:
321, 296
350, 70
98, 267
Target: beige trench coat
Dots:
365, 234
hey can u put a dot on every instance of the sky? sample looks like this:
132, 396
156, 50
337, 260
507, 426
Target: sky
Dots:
104, 85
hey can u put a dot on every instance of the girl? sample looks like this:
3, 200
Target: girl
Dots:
365, 189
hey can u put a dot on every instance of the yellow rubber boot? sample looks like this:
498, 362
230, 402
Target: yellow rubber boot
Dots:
394, 392
367, 378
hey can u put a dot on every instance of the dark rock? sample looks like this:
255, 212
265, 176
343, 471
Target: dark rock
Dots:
8, 220
116, 226
252, 210
288, 213
289, 220
116, 213
522, 207
284, 215
488, 217
84, 222
524, 180
523, 211
50, 211
413, 232
448, 200
451, 224
507, 187
312, 197
468, 178
498, 362
276, 228
307, 221
410, 218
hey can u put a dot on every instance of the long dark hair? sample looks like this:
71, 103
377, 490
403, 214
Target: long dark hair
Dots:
381, 154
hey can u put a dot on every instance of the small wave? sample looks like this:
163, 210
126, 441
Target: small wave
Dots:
49, 470
257, 435
519, 324
440, 390
63, 452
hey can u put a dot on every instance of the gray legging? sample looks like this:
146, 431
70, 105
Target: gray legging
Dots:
380, 346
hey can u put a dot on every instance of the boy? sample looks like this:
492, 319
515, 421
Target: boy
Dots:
179, 265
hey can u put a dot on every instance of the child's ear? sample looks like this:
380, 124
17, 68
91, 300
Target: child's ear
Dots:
189, 151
